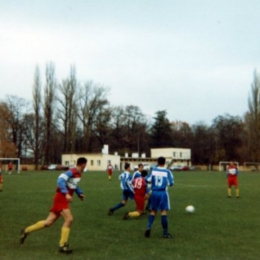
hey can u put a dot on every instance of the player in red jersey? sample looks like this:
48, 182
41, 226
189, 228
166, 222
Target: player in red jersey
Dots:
66, 185
1, 178
140, 195
232, 179
109, 171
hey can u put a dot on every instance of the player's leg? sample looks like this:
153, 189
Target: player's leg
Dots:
164, 207
139, 201
52, 217
155, 202
229, 187
120, 204
65, 231
236, 187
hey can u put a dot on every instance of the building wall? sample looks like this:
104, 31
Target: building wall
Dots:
173, 153
96, 162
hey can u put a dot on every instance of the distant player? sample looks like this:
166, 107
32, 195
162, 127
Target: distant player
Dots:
232, 179
140, 195
110, 171
10, 167
159, 178
67, 183
1, 178
127, 189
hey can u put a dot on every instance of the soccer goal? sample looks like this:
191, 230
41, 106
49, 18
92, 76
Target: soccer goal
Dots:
223, 165
249, 165
14, 161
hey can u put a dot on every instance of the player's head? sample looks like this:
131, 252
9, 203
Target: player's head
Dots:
82, 162
144, 173
231, 162
127, 166
161, 161
140, 167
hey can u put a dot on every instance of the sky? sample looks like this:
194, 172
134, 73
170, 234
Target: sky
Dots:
193, 58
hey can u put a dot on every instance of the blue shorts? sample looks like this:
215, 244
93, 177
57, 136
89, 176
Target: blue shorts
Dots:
160, 200
127, 194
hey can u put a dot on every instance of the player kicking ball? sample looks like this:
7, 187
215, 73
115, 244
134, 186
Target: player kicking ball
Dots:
66, 185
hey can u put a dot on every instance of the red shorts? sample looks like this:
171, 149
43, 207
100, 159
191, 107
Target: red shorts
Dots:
109, 172
139, 201
59, 203
232, 180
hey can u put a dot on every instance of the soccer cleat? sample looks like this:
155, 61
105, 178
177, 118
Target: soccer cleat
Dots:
167, 235
126, 216
110, 212
229, 197
65, 249
237, 197
147, 233
23, 236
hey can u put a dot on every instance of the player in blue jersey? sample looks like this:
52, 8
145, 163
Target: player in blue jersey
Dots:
127, 189
160, 178
138, 173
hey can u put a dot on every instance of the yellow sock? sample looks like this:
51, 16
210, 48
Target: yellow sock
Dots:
65, 231
134, 214
229, 192
237, 192
39, 225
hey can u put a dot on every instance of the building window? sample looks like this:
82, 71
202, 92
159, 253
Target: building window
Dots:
67, 163
180, 154
91, 162
174, 154
98, 162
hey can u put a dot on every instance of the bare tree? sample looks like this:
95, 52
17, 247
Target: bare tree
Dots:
92, 101
252, 119
49, 103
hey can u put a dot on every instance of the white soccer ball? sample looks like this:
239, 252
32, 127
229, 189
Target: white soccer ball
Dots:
190, 209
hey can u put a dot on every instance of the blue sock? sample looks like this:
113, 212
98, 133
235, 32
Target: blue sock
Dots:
150, 221
164, 222
118, 206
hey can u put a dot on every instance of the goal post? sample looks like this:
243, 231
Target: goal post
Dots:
222, 164
13, 160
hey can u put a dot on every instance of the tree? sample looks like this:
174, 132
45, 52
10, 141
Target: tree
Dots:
229, 137
36, 122
67, 110
49, 106
252, 120
160, 132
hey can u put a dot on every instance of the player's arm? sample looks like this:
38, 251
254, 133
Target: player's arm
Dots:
170, 179
62, 180
79, 192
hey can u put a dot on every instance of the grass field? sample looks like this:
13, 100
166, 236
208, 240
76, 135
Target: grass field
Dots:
220, 228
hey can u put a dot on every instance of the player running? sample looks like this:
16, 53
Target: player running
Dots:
66, 185
160, 178
127, 189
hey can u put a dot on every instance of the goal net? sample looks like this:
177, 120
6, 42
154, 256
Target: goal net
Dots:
15, 164
223, 165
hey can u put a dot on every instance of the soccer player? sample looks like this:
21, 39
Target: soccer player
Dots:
127, 188
1, 178
159, 178
10, 167
67, 183
232, 179
138, 173
109, 171
140, 195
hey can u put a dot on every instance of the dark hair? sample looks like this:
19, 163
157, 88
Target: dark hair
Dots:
127, 165
144, 173
81, 160
140, 164
161, 160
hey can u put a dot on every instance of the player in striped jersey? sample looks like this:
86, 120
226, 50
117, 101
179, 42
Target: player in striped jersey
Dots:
127, 189
160, 178
67, 183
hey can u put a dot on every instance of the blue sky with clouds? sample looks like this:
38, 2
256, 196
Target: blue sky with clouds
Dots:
193, 58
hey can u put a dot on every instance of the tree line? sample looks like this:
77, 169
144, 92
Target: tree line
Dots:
71, 117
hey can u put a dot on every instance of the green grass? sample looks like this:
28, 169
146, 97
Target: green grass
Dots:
220, 228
